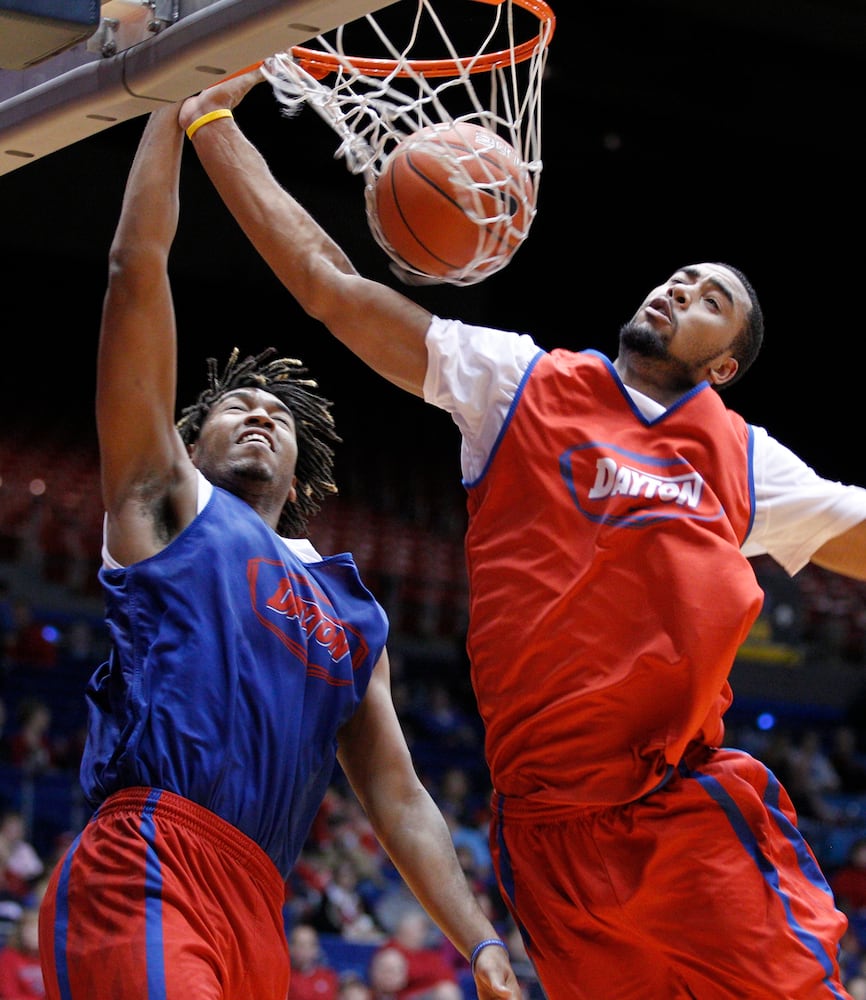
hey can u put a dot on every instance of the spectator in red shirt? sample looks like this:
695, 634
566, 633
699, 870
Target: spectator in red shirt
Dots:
388, 973
849, 881
428, 975
312, 978
20, 970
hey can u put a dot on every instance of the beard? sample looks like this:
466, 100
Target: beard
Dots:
641, 339
647, 353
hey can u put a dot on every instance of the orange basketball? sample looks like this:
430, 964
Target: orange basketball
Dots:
453, 202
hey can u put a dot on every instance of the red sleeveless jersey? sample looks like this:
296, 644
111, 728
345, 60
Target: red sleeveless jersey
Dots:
608, 592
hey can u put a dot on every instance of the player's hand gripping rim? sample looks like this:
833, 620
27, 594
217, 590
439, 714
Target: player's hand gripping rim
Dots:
227, 95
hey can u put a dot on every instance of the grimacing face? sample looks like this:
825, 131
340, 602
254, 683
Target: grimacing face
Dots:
248, 437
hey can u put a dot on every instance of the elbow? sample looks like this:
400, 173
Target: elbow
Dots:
129, 263
327, 293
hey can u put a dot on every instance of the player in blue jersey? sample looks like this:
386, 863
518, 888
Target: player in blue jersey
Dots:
243, 664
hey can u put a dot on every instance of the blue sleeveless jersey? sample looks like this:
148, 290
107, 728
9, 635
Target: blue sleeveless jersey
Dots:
233, 665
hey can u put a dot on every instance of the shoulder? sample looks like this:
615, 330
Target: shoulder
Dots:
445, 336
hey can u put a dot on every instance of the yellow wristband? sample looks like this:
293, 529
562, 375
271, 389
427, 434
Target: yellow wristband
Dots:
211, 116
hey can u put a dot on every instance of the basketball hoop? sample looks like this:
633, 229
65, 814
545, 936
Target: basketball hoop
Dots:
413, 76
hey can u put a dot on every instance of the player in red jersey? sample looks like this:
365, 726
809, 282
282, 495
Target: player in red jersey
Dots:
613, 507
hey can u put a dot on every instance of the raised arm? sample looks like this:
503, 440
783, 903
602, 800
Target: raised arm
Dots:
384, 328
409, 825
147, 479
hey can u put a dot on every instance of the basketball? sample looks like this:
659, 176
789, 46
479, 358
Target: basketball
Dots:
453, 202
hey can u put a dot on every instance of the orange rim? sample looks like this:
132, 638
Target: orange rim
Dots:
319, 64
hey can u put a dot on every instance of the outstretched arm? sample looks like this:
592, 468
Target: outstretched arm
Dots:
383, 327
376, 760
845, 554
147, 479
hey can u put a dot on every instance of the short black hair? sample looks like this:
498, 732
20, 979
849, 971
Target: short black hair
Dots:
748, 341
314, 425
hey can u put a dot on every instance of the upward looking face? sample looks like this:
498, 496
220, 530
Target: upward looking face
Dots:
690, 323
247, 444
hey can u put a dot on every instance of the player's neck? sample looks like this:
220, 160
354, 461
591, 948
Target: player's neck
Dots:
653, 379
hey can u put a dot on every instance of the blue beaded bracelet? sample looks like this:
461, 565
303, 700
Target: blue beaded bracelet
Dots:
483, 944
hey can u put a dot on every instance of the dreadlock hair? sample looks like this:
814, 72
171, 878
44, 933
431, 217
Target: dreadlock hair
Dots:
314, 425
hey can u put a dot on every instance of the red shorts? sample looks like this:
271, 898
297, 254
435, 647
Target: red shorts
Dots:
160, 899
702, 889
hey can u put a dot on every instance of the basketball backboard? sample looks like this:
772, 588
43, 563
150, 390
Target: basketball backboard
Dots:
144, 52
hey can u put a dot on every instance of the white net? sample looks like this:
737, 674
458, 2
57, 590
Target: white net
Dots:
379, 80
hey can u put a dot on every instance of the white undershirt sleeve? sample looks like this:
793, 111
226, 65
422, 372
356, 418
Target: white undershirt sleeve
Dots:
473, 373
796, 510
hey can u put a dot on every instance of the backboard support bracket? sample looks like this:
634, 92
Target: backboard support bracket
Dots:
183, 58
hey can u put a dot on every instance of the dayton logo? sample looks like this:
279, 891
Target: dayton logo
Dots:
285, 602
613, 486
